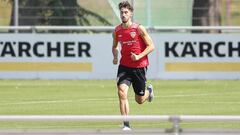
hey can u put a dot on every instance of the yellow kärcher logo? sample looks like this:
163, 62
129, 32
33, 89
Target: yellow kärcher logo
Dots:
202, 66
46, 66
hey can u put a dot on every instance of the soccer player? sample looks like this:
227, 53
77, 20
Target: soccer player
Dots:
136, 44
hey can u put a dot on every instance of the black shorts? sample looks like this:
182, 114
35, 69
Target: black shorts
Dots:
134, 76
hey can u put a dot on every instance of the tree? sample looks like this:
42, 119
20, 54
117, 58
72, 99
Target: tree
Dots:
54, 12
206, 13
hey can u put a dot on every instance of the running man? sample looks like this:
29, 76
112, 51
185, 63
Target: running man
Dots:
136, 44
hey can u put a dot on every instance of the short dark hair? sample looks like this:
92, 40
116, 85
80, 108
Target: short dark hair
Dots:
125, 4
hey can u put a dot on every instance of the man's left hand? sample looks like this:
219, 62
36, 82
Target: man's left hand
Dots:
134, 57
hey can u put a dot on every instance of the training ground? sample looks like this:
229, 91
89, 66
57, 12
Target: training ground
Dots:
99, 97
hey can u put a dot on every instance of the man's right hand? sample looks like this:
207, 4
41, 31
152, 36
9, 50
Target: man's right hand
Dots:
115, 61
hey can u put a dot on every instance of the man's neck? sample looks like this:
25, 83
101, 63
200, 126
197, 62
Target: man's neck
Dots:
127, 24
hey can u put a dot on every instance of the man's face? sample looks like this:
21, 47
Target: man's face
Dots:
125, 14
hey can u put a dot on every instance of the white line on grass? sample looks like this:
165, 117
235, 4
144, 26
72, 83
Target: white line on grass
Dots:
56, 101
116, 99
203, 102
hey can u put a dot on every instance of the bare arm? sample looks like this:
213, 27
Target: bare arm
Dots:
148, 41
115, 49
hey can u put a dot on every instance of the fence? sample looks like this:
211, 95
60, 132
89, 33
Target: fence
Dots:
223, 29
147, 12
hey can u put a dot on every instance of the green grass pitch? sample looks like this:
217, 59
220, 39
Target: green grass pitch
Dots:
99, 97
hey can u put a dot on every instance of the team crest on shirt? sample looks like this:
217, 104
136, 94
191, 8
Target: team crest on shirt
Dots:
133, 34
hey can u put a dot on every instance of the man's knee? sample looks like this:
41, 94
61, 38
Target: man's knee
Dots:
139, 100
122, 94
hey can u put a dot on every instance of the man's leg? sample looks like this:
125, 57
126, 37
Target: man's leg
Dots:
142, 93
148, 95
141, 99
123, 103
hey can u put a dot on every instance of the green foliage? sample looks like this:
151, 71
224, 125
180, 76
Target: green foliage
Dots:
56, 12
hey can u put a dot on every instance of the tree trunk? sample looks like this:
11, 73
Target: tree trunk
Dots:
206, 13
12, 14
214, 11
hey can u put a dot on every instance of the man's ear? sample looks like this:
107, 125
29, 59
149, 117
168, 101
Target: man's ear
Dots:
131, 14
